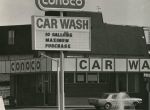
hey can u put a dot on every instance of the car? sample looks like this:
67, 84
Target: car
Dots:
114, 100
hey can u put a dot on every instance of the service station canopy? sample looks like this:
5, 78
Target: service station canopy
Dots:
76, 65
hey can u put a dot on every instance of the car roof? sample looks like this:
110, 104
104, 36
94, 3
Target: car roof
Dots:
115, 93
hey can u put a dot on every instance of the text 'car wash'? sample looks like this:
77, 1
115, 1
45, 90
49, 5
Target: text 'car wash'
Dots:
62, 23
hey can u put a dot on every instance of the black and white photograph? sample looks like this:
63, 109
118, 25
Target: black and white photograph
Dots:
74, 54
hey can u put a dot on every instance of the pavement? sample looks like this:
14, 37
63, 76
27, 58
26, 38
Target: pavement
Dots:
55, 108
52, 108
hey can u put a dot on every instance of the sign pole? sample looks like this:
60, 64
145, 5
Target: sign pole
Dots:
58, 84
62, 98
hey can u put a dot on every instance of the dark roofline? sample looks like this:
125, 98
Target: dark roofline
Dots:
123, 25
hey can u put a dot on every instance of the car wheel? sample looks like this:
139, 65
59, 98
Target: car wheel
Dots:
107, 106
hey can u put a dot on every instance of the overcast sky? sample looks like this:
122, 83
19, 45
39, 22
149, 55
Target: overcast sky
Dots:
122, 12
127, 12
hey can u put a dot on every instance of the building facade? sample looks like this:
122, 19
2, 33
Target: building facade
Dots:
116, 63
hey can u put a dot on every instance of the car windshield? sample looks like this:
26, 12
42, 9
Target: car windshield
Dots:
104, 96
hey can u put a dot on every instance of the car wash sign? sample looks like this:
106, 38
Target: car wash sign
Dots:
113, 65
68, 5
61, 33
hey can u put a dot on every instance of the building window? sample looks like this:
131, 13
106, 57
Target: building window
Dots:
69, 78
43, 83
127, 82
11, 37
80, 77
47, 82
103, 77
122, 81
133, 83
39, 83
147, 35
92, 78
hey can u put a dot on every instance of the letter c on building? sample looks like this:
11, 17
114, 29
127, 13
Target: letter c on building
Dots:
13, 66
81, 64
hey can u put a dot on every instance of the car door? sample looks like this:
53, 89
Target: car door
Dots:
114, 100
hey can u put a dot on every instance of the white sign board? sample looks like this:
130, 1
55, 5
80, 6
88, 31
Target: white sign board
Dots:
61, 33
69, 5
2, 107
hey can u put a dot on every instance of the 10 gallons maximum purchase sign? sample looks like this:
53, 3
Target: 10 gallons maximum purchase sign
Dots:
61, 33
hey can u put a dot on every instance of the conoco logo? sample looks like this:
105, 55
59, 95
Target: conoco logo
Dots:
49, 4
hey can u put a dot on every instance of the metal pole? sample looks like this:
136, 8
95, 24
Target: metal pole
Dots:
62, 98
58, 85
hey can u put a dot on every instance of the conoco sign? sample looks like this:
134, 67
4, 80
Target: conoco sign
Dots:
47, 5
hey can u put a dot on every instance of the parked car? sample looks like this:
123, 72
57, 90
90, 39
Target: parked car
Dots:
110, 100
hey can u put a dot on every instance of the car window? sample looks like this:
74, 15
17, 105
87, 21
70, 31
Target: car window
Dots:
126, 96
114, 96
104, 96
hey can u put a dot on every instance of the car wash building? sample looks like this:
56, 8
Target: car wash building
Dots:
116, 62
